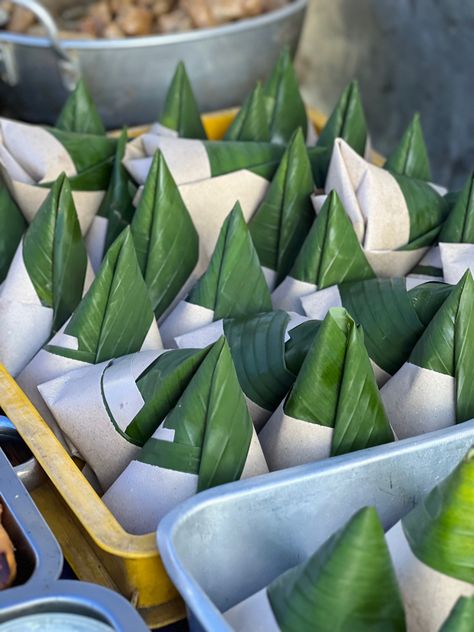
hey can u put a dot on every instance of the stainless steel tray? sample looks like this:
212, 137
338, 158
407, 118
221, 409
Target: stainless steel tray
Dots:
226, 543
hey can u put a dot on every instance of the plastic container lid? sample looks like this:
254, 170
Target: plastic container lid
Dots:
54, 622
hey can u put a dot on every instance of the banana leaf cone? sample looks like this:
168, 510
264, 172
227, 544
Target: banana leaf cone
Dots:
347, 121
330, 255
122, 402
410, 157
166, 240
32, 158
206, 440
396, 218
180, 112
259, 351
432, 390
456, 240
348, 584
251, 122
114, 318
79, 113
232, 286
116, 210
334, 405
284, 218
12, 228
461, 618
46, 279
433, 550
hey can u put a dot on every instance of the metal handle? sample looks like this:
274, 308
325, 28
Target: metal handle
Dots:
30, 473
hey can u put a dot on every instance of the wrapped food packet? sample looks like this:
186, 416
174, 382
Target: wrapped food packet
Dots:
233, 284
347, 121
180, 115
32, 157
396, 218
7, 557
79, 113
330, 255
283, 219
348, 584
207, 439
47, 278
113, 319
251, 122
410, 157
121, 404
12, 226
461, 618
334, 405
432, 550
432, 390
115, 211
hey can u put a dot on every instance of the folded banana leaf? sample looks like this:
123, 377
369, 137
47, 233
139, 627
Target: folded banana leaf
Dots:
461, 618
282, 221
433, 549
315, 595
347, 121
330, 255
46, 279
410, 157
251, 122
232, 286
432, 389
334, 406
12, 226
206, 440
79, 113
166, 240
180, 111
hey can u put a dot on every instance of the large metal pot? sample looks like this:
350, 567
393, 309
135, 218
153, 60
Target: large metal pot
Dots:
128, 78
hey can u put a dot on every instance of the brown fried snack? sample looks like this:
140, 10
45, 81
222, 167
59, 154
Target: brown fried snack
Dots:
7, 558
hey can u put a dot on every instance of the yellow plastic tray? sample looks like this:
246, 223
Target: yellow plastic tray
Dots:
93, 542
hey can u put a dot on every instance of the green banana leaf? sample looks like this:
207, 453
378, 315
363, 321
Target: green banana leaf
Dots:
257, 345
427, 298
251, 123
180, 111
440, 529
429, 271
226, 156
447, 344
12, 226
283, 220
166, 240
117, 205
410, 157
86, 150
348, 584
336, 387
95, 178
79, 113
347, 121
161, 385
212, 426
461, 617
299, 343
55, 255
233, 284
115, 315
286, 111
459, 226
331, 253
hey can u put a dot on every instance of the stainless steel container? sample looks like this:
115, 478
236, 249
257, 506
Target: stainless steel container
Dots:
128, 78
225, 544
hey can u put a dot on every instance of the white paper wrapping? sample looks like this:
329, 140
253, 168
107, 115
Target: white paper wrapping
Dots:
201, 337
394, 263
95, 241
419, 400
318, 200
428, 595
186, 317
381, 376
456, 259
318, 304
270, 277
254, 613
287, 441
287, 295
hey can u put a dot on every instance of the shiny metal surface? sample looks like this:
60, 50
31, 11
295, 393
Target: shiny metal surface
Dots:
226, 543
29, 472
128, 78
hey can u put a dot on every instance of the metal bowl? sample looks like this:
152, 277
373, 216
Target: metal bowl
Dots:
128, 78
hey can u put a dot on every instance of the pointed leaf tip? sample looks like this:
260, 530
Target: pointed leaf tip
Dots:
410, 157
180, 110
459, 225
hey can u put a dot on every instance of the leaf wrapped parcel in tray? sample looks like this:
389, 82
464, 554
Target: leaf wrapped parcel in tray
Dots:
206, 440
32, 157
410, 157
79, 113
251, 122
433, 389
46, 280
121, 404
433, 550
232, 286
349, 583
334, 405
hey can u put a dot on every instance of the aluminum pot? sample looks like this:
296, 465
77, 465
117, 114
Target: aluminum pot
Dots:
128, 78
